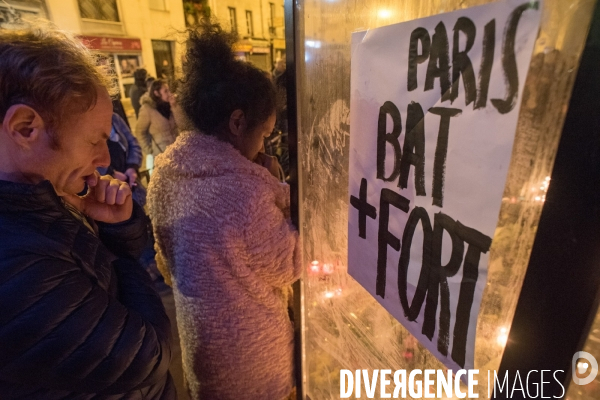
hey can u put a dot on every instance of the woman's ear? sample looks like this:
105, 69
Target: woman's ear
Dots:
237, 123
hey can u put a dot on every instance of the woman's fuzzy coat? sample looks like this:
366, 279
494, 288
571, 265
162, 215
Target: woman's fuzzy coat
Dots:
225, 242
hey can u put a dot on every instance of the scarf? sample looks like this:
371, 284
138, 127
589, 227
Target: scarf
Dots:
164, 108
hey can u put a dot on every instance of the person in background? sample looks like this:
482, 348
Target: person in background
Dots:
80, 318
138, 89
224, 237
125, 161
149, 81
279, 68
125, 157
166, 71
156, 128
119, 109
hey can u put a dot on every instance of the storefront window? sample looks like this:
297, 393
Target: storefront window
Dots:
102, 10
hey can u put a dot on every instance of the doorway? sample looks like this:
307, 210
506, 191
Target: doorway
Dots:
163, 58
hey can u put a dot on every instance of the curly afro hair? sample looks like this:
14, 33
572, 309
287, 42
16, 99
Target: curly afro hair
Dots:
215, 84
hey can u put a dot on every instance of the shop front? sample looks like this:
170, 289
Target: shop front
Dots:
242, 49
261, 54
278, 50
125, 53
255, 51
446, 192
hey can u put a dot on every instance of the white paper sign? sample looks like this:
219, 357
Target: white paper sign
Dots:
434, 108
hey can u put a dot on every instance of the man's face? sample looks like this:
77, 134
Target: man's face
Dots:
82, 147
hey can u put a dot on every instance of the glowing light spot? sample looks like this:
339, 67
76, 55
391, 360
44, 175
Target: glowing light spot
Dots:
384, 13
502, 337
315, 44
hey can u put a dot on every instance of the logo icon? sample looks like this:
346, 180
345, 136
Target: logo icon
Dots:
581, 367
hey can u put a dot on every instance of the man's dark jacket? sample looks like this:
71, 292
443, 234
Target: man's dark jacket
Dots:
79, 318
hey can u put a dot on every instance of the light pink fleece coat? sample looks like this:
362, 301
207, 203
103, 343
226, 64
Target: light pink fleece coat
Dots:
224, 240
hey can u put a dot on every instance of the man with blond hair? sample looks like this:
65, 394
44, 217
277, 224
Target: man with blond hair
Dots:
79, 318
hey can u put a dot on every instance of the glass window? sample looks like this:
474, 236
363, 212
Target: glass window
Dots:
157, 4
163, 58
232, 19
103, 10
249, 24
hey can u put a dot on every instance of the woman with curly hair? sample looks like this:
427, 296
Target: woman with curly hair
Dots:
221, 221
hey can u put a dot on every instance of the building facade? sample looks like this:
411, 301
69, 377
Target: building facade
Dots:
133, 33
259, 24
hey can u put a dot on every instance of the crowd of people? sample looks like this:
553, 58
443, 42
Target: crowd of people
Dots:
80, 316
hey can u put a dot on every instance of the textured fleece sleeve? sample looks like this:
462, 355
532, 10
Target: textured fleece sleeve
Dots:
273, 243
142, 130
67, 333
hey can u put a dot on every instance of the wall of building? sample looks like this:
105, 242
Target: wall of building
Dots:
138, 20
147, 24
267, 30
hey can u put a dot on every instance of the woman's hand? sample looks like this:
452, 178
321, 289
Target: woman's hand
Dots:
107, 200
132, 176
270, 163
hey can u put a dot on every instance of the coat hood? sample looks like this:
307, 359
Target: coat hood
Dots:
146, 99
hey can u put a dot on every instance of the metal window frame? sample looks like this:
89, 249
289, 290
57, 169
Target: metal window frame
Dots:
559, 298
249, 23
233, 19
119, 15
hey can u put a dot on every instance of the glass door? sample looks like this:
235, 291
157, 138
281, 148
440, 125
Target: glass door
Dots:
163, 59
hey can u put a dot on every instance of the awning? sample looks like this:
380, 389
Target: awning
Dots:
242, 46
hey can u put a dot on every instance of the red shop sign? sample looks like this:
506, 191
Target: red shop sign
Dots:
111, 43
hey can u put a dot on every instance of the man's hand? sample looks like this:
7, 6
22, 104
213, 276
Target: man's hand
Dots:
107, 200
119, 176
